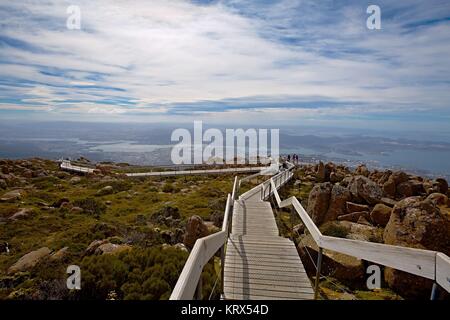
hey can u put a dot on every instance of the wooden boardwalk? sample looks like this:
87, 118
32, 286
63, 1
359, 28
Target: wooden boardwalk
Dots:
259, 264
66, 165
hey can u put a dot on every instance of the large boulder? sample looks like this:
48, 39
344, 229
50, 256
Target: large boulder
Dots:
419, 224
399, 177
405, 190
320, 174
195, 229
362, 188
336, 177
380, 214
362, 170
318, 201
340, 266
438, 199
441, 185
338, 201
362, 232
29, 260
93, 246
389, 187
60, 254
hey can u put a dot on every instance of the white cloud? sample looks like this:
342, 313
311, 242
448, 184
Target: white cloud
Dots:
150, 55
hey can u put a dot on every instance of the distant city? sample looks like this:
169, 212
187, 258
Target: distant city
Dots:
149, 144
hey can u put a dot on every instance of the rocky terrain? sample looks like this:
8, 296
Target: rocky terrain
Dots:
50, 219
388, 207
131, 237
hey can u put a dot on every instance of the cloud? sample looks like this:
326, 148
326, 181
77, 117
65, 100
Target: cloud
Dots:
283, 60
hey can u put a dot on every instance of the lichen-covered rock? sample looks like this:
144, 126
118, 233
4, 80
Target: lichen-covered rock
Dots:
340, 266
441, 185
29, 260
380, 214
320, 174
195, 229
389, 188
60, 254
419, 224
337, 207
319, 201
362, 170
438, 199
365, 189
93, 246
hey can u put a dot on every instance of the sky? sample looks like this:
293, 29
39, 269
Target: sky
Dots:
230, 61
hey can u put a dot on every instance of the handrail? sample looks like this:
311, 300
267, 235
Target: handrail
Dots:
425, 263
66, 165
203, 250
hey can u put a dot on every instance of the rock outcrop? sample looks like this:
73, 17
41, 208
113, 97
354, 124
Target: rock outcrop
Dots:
364, 189
195, 229
380, 214
340, 266
319, 201
111, 248
338, 201
29, 260
419, 224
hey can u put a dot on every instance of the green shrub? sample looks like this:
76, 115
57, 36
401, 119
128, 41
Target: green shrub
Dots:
168, 187
138, 274
91, 206
335, 230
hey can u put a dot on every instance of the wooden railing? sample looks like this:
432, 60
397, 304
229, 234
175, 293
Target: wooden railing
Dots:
425, 263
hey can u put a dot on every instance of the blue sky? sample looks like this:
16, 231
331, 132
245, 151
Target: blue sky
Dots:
287, 62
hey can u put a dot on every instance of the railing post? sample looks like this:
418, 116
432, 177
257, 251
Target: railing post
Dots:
222, 270
262, 191
434, 291
198, 291
318, 267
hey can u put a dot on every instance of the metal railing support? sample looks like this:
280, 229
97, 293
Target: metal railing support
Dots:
318, 267
222, 269
198, 291
434, 291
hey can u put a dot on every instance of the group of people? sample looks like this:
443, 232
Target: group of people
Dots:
294, 158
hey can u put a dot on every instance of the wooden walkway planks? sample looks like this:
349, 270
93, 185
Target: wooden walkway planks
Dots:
259, 264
